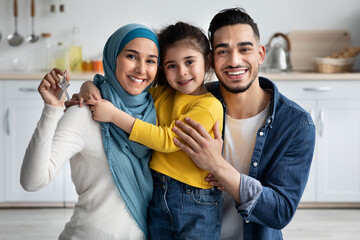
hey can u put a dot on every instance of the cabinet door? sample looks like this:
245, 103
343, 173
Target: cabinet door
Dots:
2, 133
23, 106
339, 153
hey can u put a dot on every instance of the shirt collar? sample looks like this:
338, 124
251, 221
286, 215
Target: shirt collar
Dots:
265, 84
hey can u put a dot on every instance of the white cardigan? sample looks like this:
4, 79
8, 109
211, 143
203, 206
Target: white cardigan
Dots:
100, 212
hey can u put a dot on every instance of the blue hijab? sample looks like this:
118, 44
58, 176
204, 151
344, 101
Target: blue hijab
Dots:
128, 160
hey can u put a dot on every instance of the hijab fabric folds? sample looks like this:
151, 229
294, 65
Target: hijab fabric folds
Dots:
128, 160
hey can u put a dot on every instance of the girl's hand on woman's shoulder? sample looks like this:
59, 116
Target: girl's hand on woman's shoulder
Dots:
88, 92
102, 110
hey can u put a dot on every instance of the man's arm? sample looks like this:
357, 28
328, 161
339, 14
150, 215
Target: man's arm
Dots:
272, 204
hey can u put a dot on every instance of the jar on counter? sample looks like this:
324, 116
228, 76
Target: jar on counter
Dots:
87, 66
98, 66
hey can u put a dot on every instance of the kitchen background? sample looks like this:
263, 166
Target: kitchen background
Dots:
331, 202
96, 20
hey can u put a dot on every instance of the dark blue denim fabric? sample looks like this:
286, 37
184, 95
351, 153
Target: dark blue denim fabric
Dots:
179, 211
280, 165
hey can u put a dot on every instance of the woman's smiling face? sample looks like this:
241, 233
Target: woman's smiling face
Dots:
136, 65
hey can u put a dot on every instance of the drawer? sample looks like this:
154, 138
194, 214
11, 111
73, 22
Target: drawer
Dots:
21, 88
319, 89
27, 89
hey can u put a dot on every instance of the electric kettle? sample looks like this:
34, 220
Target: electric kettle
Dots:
277, 57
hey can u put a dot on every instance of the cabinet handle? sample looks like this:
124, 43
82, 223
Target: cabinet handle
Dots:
8, 122
318, 89
27, 89
312, 114
322, 122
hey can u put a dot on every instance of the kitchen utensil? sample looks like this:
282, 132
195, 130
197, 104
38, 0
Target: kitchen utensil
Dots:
277, 58
32, 37
306, 45
15, 39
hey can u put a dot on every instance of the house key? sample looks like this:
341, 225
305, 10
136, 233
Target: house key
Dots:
63, 84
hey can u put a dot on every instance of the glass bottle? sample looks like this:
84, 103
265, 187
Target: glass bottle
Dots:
47, 62
75, 52
61, 57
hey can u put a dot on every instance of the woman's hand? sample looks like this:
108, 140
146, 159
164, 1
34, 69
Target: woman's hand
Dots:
102, 110
49, 88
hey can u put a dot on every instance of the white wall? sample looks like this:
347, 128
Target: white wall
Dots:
99, 19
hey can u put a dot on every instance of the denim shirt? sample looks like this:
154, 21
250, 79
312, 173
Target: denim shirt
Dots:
279, 167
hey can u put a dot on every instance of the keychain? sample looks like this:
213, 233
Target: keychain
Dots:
63, 84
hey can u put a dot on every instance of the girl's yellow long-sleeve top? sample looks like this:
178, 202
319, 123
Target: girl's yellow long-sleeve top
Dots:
170, 106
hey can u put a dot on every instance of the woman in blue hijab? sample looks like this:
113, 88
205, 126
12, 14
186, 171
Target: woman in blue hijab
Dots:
110, 173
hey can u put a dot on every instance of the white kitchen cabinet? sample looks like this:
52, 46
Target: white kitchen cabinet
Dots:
2, 133
339, 151
22, 106
335, 108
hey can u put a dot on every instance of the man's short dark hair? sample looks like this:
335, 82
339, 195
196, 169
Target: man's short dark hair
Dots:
231, 16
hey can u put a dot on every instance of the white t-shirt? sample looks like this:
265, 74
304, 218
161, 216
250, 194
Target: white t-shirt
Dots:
239, 142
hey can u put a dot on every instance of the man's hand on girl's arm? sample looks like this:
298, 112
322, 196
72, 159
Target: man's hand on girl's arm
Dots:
206, 152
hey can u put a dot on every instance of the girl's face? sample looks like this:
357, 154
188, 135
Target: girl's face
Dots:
136, 65
185, 69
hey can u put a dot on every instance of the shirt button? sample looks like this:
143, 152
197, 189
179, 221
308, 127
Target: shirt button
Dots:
247, 221
255, 164
261, 133
269, 121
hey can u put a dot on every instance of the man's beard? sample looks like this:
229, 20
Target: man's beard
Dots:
237, 89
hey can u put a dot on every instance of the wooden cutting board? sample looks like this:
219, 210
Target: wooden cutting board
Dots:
309, 44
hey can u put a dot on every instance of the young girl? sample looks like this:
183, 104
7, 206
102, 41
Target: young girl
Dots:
184, 205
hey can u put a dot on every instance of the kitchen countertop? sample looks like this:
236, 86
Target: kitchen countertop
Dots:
40, 75
311, 76
272, 76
